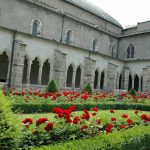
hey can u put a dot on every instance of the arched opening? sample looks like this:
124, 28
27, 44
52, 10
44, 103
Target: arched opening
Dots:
102, 80
69, 37
34, 72
141, 84
136, 83
24, 79
4, 62
132, 52
128, 52
45, 73
78, 77
130, 83
36, 28
94, 48
69, 76
96, 79
120, 82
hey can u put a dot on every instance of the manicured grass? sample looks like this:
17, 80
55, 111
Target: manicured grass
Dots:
103, 115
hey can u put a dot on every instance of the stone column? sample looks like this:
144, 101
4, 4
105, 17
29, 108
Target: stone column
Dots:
144, 79
99, 79
125, 78
28, 71
59, 68
18, 63
111, 77
89, 70
139, 84
8, 73
133, 82
40, 73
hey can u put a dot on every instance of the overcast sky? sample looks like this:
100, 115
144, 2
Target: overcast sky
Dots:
127, 12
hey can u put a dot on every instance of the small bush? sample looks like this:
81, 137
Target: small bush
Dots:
9, 132
88, 88
52, 87
132, 92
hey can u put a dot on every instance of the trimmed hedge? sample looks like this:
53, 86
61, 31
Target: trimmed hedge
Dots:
43, 108
137, 138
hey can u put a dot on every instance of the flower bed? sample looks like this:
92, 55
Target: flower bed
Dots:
69, 125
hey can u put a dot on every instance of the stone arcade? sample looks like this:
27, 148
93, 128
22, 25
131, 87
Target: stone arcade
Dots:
73, 42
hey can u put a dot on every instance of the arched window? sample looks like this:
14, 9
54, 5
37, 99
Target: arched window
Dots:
130, 51
96, 79
102, 80
24, 79
69, 37
94, 46
45, 73
34, 71
36, 28
3, 67
78, 77
69, 76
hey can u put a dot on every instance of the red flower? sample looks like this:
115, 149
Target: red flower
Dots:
86, 111
49, 126
72, 108
98, 121
84, 127
94, 114
129, 121
110, 126
28, 121
136, 112
144, 117
41, 121
95, 109
122, 127
113, 119
112, 111
124, 116
108, 130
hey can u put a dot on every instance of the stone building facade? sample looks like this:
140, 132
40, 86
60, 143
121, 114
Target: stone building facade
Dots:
72, 42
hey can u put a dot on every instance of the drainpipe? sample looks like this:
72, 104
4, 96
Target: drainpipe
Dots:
12, 57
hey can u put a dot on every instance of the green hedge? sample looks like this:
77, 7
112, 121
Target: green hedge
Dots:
34, 108
137, 138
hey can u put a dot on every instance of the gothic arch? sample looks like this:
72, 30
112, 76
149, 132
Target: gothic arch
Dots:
136, 82
130, 82
131, 51
4, 62
69, 76
45, 73
69, 36
36, 29
96, 79
34, 73
102, 79
95, 45
120, 81
78, 77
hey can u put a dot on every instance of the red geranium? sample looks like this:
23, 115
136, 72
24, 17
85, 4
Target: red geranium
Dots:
95, 109
28, 120
113, 119
84, 127
124, 116
136, 112
122, 127
49, 126
98, 121
41, 121
144, 117
112, 111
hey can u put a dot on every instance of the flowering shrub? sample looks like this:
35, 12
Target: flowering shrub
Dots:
71, 125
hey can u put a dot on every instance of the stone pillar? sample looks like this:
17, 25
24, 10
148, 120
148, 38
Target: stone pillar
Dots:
125, 78
82, 78
18, 64
133, 82
111, 77
89, 71
8, 73
40, 73
59, 68
28, 71
99, 79
139, 84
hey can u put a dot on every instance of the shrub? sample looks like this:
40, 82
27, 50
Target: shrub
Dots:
52, 87
132, 92
88, 88
8, 130
137, 138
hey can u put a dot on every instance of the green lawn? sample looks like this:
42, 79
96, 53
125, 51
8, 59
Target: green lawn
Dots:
103, 115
